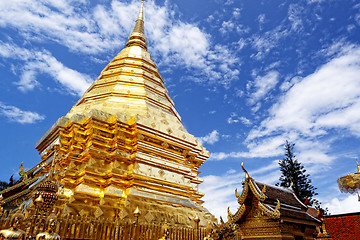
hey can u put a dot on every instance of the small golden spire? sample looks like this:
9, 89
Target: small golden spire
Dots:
291, 183
247, 176
137, 212
358, 166
137, 37
141, 13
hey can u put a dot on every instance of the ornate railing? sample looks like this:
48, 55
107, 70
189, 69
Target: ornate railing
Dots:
77, 227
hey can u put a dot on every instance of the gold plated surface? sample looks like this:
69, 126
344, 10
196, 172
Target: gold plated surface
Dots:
122, 146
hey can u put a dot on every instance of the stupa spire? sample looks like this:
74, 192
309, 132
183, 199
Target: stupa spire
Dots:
137, 37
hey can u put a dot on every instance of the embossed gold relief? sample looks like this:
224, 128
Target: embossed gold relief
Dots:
14, 232
49, 234
273, 213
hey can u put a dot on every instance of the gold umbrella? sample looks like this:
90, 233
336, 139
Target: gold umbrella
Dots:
350, 183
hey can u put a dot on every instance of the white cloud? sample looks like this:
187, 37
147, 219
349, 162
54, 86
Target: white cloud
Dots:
310, 113
92, 30
266, 169
326, 99
237, 12
68, 23
269, 147
220, 192
347, 205
36, 62
261, 19
188, 43
227, 26
211, 138
17, 115
234, 118
263, 85
294, 15
265, 41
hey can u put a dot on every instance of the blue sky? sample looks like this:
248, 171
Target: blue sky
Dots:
245, 76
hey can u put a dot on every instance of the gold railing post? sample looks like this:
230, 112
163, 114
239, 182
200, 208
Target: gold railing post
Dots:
197, 220
136, 214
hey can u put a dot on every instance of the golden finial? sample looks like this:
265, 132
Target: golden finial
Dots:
247, 176
141, 13
291, 183
358, 166
21, 172
137, 37
196, 220
221, 221
137, 212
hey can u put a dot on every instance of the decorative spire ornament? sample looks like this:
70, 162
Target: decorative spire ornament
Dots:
137, 37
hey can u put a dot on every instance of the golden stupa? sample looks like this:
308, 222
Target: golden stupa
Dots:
122, 146
120, 165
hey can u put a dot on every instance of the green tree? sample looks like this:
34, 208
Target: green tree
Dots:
3, 185
294, 173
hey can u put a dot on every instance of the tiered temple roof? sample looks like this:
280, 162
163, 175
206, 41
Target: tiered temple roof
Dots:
270, 212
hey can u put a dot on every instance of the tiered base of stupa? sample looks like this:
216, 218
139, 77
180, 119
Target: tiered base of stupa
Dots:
111, 164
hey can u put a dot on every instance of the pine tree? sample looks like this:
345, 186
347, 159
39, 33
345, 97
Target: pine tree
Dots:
293, 172
3, 185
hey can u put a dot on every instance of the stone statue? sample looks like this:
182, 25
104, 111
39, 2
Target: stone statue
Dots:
14, 232
49, 234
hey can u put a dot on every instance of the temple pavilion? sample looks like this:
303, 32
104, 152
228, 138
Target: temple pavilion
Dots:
270, 212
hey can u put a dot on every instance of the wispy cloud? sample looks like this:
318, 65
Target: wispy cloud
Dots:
86, 29
36, 62
220, 192
311, 108
269, 147
319, 101
15, 114
210, 138
262, 86
68, 23
234, 118
347, 205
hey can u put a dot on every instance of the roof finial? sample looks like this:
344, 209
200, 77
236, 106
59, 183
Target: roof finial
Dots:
137, 37
291, 183
246, 173
358, 166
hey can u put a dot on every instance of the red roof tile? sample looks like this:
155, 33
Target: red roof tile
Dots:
344, 226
